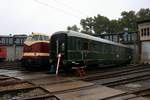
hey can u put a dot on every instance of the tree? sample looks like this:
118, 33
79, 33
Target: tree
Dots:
73, 28
101, 24
143, 14
87, 25
114, 26
128, 20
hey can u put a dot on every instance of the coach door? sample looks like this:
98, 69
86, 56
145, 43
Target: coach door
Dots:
61, 45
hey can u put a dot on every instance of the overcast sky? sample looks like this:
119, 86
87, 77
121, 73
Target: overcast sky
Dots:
49, 16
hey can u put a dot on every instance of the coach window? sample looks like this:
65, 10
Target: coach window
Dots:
10, 40
69, 43
85, 45
78, 45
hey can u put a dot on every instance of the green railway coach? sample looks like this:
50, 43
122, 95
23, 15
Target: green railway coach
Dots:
79, 49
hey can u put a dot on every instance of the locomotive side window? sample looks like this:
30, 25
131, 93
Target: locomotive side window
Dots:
29, 38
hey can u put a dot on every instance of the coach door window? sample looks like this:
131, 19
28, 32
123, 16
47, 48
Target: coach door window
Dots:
63, 47
85, 45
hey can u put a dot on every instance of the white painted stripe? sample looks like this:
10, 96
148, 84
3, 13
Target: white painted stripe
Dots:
35, 54
29, 43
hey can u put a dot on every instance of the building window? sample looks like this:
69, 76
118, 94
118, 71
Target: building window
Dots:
115, 38
148, 31
141, 32
144, 31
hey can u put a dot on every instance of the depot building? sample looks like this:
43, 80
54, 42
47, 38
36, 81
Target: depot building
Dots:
144, 35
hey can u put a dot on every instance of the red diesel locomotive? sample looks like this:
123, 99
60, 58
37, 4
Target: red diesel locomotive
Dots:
36, 51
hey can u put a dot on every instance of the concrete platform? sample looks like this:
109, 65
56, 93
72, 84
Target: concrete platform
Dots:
133, 87
123, 97
50, 80
96, 93
66, 86
139, 98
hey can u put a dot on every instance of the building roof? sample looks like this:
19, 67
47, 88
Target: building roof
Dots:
143, 21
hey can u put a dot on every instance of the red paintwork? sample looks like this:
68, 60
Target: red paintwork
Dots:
39, 47
3, 52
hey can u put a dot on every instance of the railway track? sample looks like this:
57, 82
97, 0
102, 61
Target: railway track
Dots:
114, 73
49, 86
124, 77
15, 89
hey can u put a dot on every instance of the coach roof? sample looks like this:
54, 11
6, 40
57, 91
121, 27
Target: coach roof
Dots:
86, 36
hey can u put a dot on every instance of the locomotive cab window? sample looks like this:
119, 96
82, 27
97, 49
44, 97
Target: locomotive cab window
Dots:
35, 37
29, 38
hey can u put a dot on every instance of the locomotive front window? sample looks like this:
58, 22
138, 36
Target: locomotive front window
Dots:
41, 37
46, 38
35, 37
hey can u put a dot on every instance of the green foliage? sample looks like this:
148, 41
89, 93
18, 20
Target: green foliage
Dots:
87, 24
101, 24
128, 20
73, 28
143, 14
